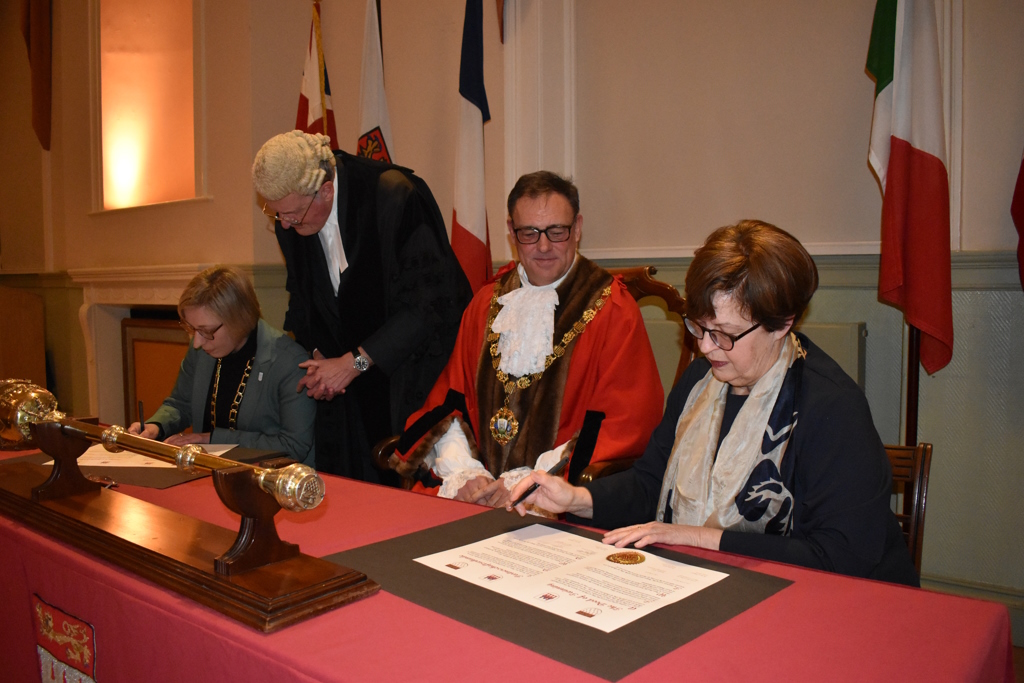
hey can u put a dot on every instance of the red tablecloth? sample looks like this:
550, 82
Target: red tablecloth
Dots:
823, 627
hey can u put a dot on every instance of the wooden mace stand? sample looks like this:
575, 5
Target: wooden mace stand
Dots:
260, 580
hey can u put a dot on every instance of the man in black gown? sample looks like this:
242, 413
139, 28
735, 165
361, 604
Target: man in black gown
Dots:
376, 293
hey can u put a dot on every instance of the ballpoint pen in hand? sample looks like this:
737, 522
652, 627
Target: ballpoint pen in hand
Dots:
554, 471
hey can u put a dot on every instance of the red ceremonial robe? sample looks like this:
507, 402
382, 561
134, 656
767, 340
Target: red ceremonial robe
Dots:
611, 370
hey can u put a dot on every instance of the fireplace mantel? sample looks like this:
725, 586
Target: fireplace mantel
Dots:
108, 294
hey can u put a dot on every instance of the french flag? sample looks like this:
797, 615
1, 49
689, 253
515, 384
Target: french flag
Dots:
470, 241
316, 114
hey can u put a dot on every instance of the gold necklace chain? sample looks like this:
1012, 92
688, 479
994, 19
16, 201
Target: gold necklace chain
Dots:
233, 413
504, 425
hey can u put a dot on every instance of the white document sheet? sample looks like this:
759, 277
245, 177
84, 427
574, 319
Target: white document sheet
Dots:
98, 456
574, 577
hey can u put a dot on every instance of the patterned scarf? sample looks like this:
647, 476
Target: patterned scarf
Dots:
741, 489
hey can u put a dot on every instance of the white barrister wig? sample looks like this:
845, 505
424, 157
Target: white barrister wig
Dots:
291, 163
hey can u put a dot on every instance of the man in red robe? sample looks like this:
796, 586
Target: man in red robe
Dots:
551, 360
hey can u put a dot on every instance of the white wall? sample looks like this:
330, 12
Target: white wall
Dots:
695, 115
993, 120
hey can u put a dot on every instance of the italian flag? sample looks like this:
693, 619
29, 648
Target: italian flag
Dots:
908, 152
470, 240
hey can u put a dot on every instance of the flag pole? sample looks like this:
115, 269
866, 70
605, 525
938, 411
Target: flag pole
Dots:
380, 36
913, 382
320, 63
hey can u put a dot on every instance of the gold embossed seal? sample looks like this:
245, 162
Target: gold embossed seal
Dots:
626, 557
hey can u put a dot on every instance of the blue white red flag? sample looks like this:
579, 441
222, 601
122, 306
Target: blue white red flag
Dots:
316, 114
470, 241
374, 122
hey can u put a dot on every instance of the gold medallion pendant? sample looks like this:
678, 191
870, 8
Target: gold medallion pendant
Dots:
504, 426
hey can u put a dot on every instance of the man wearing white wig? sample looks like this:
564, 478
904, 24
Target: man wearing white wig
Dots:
552, 359
376, 293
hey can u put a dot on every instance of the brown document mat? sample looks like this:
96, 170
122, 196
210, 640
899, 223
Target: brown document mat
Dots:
154, 477
610, 656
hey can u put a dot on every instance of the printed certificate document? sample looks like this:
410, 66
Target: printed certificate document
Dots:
574, 577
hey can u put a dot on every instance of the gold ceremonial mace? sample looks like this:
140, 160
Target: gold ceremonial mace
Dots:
261, 580
29, 418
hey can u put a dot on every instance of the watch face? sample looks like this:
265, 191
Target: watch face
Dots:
360, 363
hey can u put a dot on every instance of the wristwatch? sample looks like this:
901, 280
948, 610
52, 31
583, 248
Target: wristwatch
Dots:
361, 363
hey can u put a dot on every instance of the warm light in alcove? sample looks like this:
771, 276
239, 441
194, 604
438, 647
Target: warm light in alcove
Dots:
147, 102
123, 153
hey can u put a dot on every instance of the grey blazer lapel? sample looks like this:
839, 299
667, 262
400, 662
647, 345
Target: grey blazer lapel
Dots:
205, 366
252, 400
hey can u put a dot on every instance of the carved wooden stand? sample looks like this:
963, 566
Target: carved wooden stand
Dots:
259, 580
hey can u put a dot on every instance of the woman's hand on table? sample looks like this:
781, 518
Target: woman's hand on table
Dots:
151, 431
669, 534
553, 494
183, 439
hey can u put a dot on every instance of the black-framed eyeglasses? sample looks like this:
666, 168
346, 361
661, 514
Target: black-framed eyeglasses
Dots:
722, 340
205, 334
285, 219
554, 233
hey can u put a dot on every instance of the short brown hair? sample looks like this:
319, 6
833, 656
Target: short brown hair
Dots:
767, 270
540, 183
228, 293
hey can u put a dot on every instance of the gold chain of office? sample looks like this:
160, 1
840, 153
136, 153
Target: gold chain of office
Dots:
233, 413
504, 425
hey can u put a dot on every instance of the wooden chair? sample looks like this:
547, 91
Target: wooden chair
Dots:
641, 285
384, 458
910, 468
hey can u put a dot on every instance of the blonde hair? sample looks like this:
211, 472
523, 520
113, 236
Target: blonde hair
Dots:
294, 162
228, 293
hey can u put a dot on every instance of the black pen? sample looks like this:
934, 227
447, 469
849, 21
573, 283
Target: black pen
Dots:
554, 471
142, 425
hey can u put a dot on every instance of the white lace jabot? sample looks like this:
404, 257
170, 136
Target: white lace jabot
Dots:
526, 324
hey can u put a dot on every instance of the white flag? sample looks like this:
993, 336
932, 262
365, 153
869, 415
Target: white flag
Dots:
375, 139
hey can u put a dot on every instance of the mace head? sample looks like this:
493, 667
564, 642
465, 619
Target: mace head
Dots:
22, 404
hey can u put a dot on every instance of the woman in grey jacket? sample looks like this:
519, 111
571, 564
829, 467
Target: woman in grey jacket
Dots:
238, 382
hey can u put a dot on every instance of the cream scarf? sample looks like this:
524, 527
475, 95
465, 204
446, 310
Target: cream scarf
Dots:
740, 489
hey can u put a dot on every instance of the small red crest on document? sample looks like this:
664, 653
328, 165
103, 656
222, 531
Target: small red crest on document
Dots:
371, 144
66, 646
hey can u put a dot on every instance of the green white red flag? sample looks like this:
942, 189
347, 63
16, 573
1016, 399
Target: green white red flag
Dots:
908, 152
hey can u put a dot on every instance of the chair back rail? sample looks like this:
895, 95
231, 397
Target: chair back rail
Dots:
640, 283
911, 466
